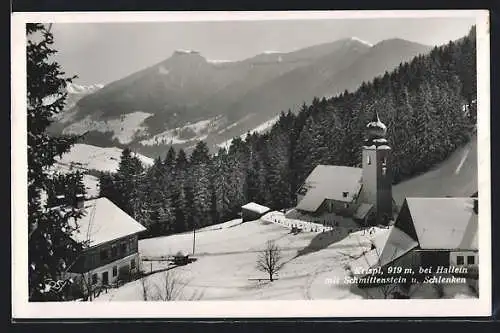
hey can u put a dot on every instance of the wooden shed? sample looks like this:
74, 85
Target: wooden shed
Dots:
252, 211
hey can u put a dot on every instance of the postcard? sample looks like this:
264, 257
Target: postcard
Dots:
289, 164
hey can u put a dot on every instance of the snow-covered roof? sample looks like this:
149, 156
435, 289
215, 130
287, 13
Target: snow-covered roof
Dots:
103, 222
362, 210
444, 223
332, 182
256, 208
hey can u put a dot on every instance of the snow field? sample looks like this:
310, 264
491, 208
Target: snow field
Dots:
84, 157
226, 258
92, 157
124, 128
171, 136
259, 129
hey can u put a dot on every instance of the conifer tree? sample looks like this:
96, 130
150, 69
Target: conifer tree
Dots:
200, 172
220, 186
179, 197
129, 182
50, 250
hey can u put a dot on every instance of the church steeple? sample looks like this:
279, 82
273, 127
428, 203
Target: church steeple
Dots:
377, 180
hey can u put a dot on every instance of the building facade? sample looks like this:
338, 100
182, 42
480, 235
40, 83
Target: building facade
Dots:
111, 252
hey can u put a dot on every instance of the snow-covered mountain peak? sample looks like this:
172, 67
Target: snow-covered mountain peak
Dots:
183, 51
73, 88
362, 41
217, 61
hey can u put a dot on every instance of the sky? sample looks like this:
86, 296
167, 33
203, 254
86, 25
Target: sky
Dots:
105, 52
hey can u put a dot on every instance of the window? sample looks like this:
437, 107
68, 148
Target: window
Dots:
94, 278
346, 205
105, 278
368, 160
123, 248
115, 270
344, 194
132, 263
114, 251
460, 260
384, 161
470, 260
104, 254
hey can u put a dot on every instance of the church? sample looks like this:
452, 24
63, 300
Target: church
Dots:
362, 194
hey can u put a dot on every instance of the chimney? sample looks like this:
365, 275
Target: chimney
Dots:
79, 201
475, 206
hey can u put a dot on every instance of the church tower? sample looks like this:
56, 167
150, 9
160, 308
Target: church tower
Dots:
377, 178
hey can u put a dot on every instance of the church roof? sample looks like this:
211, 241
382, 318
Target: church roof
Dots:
444, 223
103, 222
332, 182
362, 211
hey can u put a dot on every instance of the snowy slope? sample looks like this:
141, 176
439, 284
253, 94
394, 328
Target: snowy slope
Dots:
91, 157
199, 131
226, 262
125, 128
262, 128
85, 157
456, 177
225, 265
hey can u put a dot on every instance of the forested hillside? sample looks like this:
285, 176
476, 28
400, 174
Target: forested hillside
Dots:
428, 105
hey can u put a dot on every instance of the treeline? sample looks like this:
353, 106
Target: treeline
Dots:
428, 105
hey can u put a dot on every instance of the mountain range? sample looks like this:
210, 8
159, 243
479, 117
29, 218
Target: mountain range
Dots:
187, 98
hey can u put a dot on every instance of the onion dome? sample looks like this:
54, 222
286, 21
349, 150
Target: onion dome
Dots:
376, 128
376, 131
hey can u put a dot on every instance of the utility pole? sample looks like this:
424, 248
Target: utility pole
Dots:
194, 238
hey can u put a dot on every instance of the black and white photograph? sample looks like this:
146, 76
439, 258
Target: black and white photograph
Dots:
191, 162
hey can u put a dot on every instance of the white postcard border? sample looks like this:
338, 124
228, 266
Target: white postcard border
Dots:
21, 308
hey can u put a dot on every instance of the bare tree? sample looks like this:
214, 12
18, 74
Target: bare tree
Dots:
270, 260
169, 288
145, 289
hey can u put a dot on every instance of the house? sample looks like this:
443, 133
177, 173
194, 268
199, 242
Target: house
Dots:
111, 238
361, 194
431, 237
252, 211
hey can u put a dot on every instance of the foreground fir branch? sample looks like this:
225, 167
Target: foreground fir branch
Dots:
50, 249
